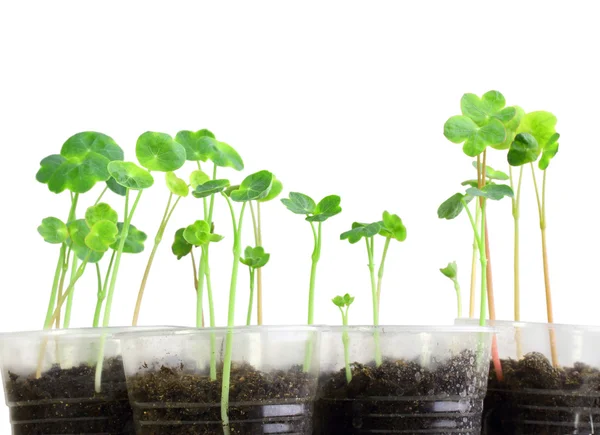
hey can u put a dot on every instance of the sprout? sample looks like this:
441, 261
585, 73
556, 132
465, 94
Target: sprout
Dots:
451, 272
255, 259
343, 303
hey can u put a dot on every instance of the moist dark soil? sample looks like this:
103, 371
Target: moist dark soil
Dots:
401, 396
64, 401
184, 401
536, 398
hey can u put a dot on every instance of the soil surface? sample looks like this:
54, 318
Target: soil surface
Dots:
64, 401
184, 401
536, 398
401, 396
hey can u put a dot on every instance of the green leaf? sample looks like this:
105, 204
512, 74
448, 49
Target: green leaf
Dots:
393, 227
276, 189
180, 246
198, 177
254, 187
360, 230
299, 203
197, 144
176, 185
472, 183
209, 188
511, 129
198, 233
79, 175
339, 301
130, 175
492, 191
326, 208
81, 145
450, 271
116, 187
348, 299
255, 258
492, 174
453, 206
48, 166
524, 149
480, 110
134, 243
102, 234
541, 125
100, 212
459, 129
53, 230
549, 152
159, 152
224, 155
78, 231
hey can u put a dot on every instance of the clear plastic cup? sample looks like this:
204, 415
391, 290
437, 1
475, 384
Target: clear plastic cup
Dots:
549, 381
431, 379
272, 385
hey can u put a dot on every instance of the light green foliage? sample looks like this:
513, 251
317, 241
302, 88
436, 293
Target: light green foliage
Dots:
255, 258
116, 187
209, 188
134, 243
202, 146
393, 227
493, 174
343, 301
450, 271
254, 187
197, 178
453, 206
360, 230
100, 212
102, 235
180, 246
537, 136
492, 191
159, 152
176, 185
78, 232
276, 188
199, 233
300, 203
130, 175
53, 230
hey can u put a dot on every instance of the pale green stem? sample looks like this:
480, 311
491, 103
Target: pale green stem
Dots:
53, 293
211, 308
458, 298
259, 280
370, 251
101, 195
516, 202
380, 273
316, 255
72, 216
200, 290
102, 294
249, 316
346, 343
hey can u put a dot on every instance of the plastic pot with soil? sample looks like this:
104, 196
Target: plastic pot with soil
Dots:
175, 380
535, 396
49, 382
402, 380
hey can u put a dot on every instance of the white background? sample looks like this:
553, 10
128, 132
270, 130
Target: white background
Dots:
333, 97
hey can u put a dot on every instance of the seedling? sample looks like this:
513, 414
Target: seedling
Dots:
254, 187
159, 152
343, 303
391, 227
451, 272
255, 258
181, 248
537, 140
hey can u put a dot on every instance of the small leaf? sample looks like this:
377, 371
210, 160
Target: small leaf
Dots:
326, 208
100, 212
492, 191
460, 129
338, 301
549, 152
450, 271
159, 152
130, 175
348, 299
53, 230
198, 233
254, 187
255, 257
299, 203
198, 177
197, 144
524, 149
492, 174
209, 188
360, 230
176, 185
453, 206
48, 166
472, 183
102, 234
276, 189
224, 155
180, 246
134, 243
81, 145
116, 187
78, 231
393, 227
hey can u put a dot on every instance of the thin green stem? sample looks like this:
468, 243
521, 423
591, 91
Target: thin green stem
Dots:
316, 255
254, 223
483, 261
458, 298
102, 293
371, 254
380, 272
74, 278
249, 316
53, 293
61, 284
101, 195
200, 290
259, 281
98, 294
67, 320
211, 308
346, 343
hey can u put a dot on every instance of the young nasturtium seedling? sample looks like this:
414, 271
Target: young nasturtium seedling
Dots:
159, 152
255, 258
343, 303
82, 163
451, 272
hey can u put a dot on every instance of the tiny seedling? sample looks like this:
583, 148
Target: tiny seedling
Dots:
451, 272
181, 248
159, 152
343, 303
255, 258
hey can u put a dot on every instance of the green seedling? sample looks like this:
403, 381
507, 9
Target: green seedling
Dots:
451, 272
254, 187
82, 163
181, 248
159, 152
343, 303
257, 225
537, 140
255, 258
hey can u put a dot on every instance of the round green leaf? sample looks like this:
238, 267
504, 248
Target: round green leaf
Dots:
102, 234
360, 230
134, 243
130, 175
326, 208
176, 185
180, 246
393, 227
450, 271
480, 110
53, 230
209, 188
78, 231
100, 212
492, 191
299, 203
338, 301
83, 144
459, 128
255, 257
276, 189
159, 152
197, 144
254, 187
79, 175
453, 206
224, 155
198, 233
197, 178
48, 166
524, 149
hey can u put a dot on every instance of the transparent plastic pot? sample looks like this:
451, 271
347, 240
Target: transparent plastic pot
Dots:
49, 382
272, 385
533, 394
431, 380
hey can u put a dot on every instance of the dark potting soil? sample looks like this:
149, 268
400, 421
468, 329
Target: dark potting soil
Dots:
170, 401
401, 396
537, 398
64, 401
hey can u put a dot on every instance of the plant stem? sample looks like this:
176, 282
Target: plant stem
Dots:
472, 292
380, 273
516, 202
67, 320
346, 342
61, 284
101, 195
370, 251
249, 316
72, 216
490, 285
316, 255
102, 293
195, 271
259, 293
200, 290
458, 298
53, 293
211, 309
113, 282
